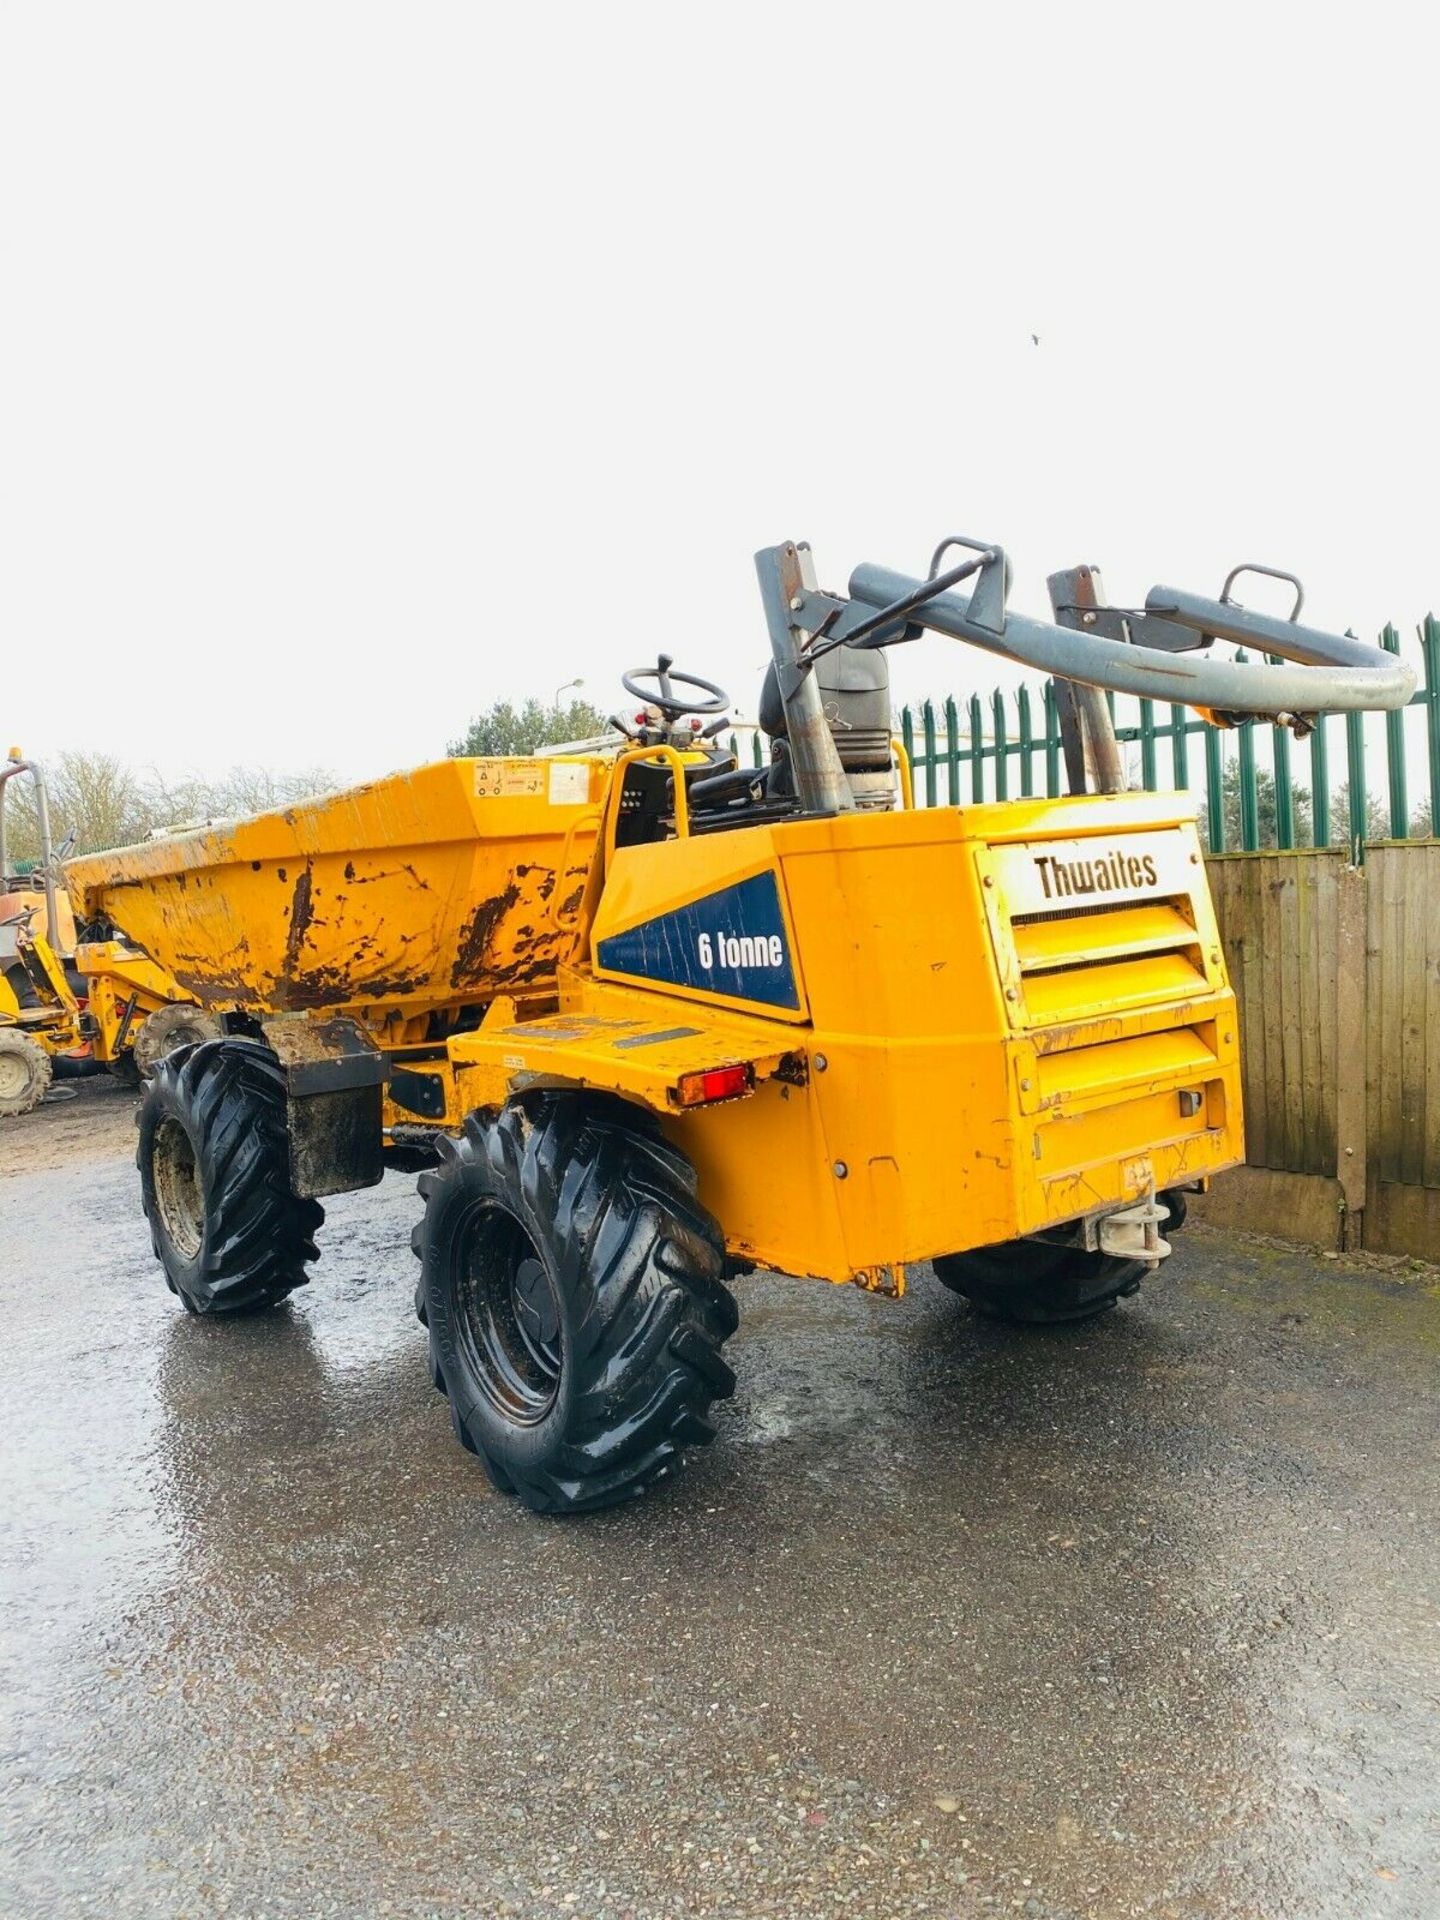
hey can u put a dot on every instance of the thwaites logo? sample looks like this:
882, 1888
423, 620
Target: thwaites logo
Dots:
1114, 872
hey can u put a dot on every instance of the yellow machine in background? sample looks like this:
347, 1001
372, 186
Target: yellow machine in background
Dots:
658, 1019
72, 1000
39, 1013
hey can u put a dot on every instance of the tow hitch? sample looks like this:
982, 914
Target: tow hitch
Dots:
1133, 1233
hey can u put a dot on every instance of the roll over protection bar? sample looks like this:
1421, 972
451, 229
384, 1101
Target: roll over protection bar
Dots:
1332, 673
1149, 651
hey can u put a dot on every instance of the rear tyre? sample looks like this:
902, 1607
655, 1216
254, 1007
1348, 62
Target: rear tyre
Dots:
214, 1165
571, 1283
25, 1073
171, 1027
1032, 1283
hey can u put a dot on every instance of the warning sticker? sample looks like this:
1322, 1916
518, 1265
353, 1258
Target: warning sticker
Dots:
569, 784
508, 779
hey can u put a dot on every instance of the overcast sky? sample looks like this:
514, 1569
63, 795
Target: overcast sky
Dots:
361, 365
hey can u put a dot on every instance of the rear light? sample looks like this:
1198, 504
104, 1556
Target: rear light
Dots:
715, 1083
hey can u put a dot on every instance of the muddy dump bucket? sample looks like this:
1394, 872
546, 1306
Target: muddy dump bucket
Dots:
446, 885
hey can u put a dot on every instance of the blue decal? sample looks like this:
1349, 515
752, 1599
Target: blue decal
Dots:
732, 942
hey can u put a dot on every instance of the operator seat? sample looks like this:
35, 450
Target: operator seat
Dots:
855, 693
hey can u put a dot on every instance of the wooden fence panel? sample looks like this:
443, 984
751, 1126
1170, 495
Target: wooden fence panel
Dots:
1319, 919
1279, 923
1403, 1042
1279, 916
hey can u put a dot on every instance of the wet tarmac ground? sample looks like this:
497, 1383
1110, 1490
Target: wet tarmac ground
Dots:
1135, 1619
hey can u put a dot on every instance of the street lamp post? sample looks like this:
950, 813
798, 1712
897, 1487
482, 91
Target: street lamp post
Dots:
567, 688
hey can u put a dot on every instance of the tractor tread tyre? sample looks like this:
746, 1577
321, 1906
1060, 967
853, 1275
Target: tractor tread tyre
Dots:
221, 1106
1029, 1283
169, 1028
591, 1192
26, 1071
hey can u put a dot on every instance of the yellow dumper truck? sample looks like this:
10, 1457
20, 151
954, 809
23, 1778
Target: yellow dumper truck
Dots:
72, 999
654, 1018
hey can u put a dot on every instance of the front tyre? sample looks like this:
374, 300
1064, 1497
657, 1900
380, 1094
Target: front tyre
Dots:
214, 1161
571, 1283
25, 1073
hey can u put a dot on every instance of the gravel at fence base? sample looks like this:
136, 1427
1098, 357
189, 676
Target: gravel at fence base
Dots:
1139, 1619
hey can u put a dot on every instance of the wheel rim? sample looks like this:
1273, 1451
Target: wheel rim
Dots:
508, 1317
179, 1198
163, 1034
17, 1075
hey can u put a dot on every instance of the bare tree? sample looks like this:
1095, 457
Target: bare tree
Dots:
106, 803
230, 796
95, 796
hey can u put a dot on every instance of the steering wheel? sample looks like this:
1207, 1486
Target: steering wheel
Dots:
666, 682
